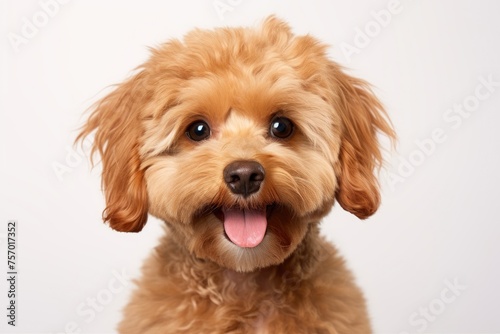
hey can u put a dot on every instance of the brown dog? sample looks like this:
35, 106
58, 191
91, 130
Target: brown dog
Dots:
240, 140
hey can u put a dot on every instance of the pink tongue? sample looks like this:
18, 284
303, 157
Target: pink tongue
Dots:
245, 228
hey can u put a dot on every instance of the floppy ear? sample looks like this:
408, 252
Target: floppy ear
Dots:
118, 129
360, 155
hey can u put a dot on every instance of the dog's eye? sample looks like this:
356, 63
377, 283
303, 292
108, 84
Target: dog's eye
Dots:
281, 128
198, 131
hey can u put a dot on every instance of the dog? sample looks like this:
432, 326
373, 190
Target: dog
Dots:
241, 140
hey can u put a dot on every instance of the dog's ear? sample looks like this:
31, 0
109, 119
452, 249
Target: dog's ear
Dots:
118, 130
363, 117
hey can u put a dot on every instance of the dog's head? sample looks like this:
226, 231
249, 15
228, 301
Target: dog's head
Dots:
238, 139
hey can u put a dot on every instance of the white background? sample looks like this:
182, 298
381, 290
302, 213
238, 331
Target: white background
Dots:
437, 223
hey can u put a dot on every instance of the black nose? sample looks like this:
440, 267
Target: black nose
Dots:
244, 177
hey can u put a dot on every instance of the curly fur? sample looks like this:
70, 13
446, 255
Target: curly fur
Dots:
237, 79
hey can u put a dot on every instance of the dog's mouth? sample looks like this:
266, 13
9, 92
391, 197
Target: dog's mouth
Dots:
245, 227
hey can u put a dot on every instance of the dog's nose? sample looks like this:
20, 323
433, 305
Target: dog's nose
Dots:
244, 177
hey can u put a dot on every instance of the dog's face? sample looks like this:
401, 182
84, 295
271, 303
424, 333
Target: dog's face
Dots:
238, 139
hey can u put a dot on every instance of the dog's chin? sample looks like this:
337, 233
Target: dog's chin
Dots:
246, 239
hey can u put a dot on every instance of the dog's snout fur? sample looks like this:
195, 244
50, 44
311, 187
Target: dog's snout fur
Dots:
244, 177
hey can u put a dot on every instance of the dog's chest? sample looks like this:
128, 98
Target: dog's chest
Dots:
253, 303
261, 298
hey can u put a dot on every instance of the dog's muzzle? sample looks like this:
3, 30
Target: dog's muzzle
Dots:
245, 227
